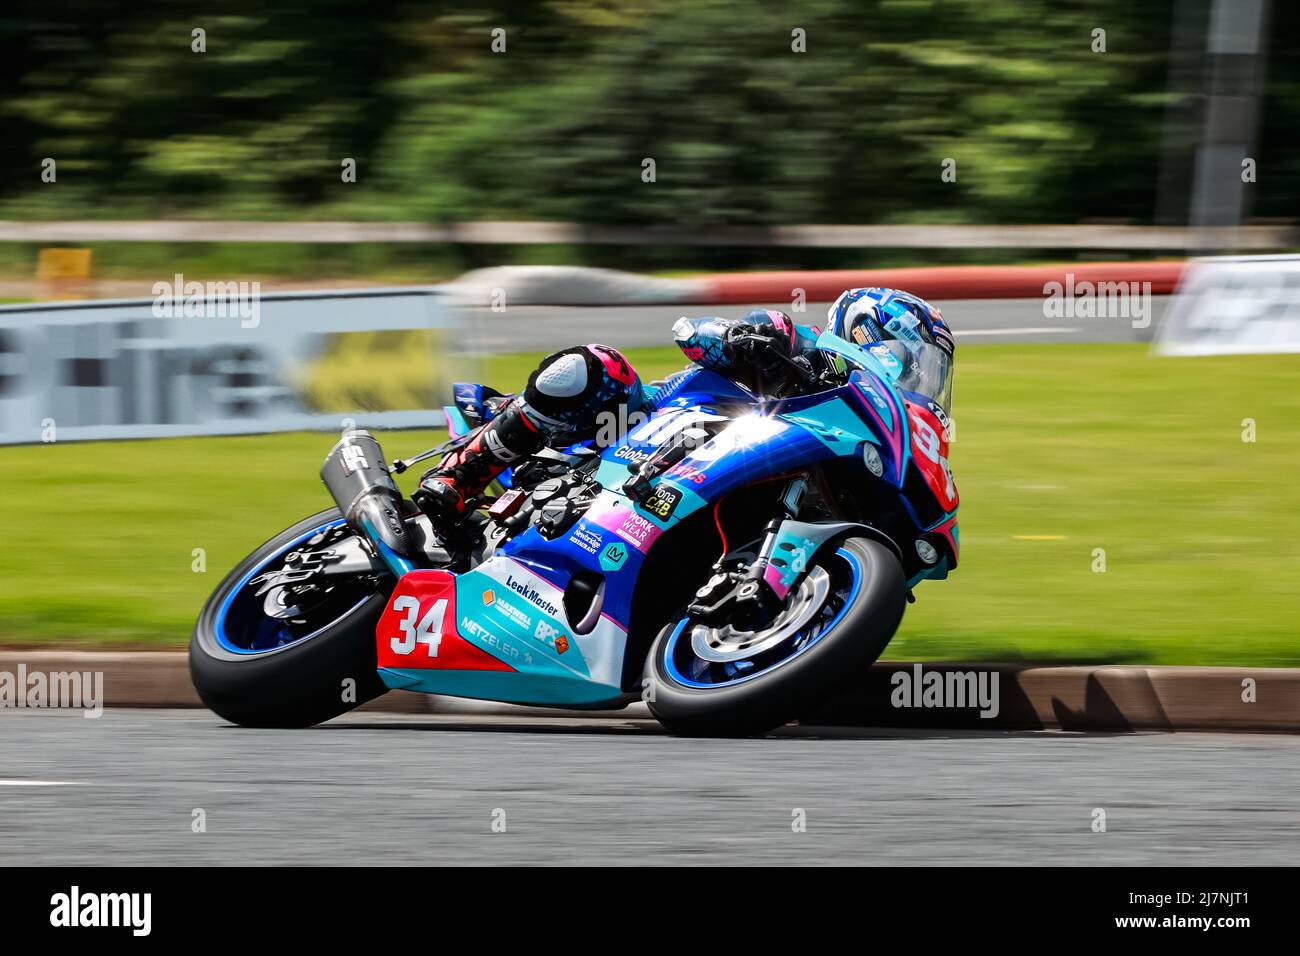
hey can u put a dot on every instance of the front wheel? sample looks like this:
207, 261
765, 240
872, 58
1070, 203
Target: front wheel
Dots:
719, 681
288, 656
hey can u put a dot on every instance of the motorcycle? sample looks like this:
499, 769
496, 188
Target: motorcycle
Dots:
731, 560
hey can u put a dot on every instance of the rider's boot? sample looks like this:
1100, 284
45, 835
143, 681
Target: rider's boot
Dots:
446, 492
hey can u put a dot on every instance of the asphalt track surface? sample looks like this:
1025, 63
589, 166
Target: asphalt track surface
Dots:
377, 788
532, 328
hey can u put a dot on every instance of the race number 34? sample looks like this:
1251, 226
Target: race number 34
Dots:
418, 628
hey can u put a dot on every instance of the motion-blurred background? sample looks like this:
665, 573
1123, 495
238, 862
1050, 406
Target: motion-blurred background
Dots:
1117, 506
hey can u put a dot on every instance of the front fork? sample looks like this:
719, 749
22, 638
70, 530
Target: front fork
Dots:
758, 592
781, 559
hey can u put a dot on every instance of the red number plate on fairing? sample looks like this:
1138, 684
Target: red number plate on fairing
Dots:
418, 628
930, 449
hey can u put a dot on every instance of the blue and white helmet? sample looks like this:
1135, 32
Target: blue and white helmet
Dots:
864, 316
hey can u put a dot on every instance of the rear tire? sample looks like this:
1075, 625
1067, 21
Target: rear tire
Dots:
774, 697
297, 685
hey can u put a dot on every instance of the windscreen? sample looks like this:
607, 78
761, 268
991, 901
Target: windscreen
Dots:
922, 368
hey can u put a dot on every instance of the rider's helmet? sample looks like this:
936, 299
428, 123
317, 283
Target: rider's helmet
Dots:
867, 316
570, 388
906, 334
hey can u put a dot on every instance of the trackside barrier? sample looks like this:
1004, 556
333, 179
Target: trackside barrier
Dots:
240, 362
942, 282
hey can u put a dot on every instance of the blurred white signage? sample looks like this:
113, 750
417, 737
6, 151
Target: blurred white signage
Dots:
1235, 305
132, 369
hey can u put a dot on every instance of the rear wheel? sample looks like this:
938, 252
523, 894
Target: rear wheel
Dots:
720, 681
289, 657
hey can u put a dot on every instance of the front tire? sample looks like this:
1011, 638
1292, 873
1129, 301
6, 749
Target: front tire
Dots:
248, 681
692, 694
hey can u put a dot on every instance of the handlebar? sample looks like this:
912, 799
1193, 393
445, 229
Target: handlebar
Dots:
755, 343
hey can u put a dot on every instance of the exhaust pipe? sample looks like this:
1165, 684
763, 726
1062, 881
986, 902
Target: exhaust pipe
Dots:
362, 485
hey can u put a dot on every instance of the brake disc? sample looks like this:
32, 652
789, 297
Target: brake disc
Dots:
726, 644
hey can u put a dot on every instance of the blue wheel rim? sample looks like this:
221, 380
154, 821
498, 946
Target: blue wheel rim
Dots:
675, 650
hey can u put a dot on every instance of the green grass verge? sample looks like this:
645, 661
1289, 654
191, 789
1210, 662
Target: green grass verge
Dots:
1060, 451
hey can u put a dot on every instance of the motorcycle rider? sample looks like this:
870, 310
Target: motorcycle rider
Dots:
570, 391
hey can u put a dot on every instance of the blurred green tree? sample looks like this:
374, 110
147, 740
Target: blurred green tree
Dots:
743, 129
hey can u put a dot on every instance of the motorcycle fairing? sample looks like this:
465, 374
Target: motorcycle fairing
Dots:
501, 636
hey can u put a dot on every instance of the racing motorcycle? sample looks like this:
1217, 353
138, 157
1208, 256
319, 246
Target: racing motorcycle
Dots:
731, 560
